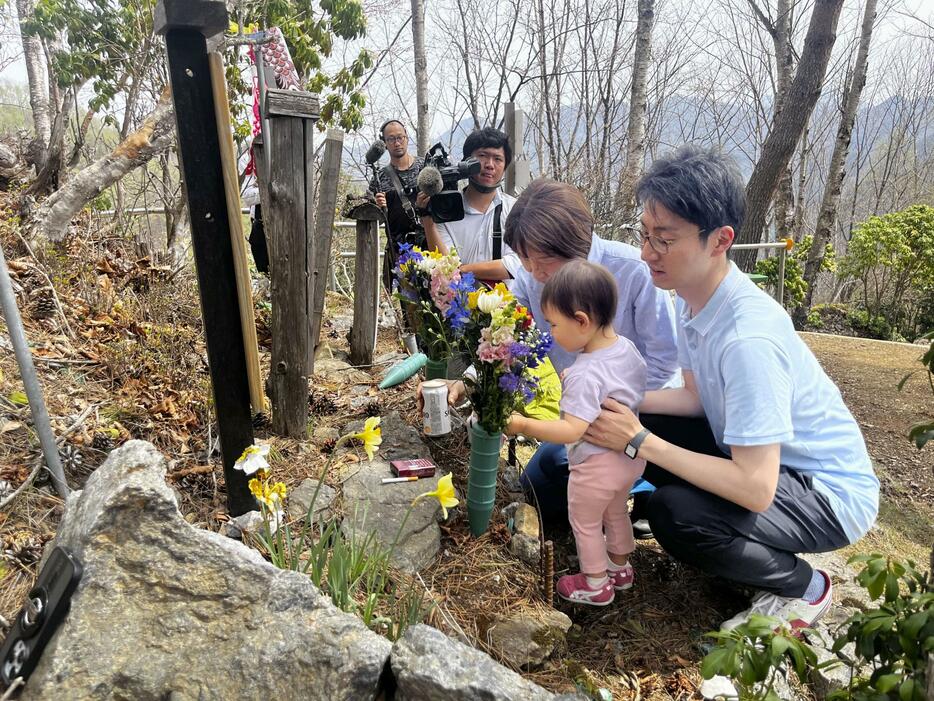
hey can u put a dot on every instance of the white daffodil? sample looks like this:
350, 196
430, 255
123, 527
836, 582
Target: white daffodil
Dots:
253, 459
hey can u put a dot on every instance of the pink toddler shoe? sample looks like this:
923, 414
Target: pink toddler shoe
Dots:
574, 588
622, 578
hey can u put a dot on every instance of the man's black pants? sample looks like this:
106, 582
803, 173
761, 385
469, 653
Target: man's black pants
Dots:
724, 539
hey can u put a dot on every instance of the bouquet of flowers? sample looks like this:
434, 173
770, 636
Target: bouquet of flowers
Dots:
503, 341
437, 290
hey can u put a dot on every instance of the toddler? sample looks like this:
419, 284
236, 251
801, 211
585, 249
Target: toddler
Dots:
579, 301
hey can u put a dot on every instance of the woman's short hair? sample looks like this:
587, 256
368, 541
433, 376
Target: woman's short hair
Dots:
701, 186
582, 286
550, 218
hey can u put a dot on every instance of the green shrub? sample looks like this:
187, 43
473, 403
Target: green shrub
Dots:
892, 258
874, 325
795, 286
814, 319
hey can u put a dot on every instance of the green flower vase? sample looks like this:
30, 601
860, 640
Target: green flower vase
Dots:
481, 480
436, 369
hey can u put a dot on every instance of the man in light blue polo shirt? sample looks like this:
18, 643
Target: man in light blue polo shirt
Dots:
756, 458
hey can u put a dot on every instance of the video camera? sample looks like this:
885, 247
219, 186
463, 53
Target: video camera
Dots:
439, 178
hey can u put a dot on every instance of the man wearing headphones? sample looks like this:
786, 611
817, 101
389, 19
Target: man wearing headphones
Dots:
390, 187
478, 237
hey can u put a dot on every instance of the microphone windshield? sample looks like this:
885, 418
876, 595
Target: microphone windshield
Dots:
430, 181
375, 152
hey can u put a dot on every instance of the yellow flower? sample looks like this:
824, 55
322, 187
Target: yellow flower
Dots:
371, 436
444, 494
472, 299
270, 495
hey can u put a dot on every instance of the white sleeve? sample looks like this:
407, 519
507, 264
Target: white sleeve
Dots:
445, 234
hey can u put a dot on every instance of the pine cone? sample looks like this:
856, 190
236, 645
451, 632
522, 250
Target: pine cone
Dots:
373, 408
321, 404
102, 442
43, 304
261, 420
23, 548
327, 446
71, 458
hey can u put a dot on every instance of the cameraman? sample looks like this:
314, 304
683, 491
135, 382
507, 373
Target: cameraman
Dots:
478, 236
402, 225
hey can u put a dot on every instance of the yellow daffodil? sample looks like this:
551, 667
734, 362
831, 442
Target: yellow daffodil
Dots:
270, 495
370, 436
253, 459
444, 494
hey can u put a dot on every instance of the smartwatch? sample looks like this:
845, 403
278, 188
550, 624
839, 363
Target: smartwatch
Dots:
632, 448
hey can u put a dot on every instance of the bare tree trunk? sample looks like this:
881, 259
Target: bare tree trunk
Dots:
49, 175
421, 74
34, 56
635, 135
154, 137
837, 171
784, 69
780, 144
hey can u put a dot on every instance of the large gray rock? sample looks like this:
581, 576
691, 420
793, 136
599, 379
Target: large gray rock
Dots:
165, 610
300, 500
371, 506
430, 666
529, 637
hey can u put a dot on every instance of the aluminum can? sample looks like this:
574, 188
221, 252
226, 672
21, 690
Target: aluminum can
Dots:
437, 413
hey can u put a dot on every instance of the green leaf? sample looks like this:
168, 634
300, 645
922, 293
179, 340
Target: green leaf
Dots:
714, 662
19, 398
876, 584
906, 690
912, 627
887, 682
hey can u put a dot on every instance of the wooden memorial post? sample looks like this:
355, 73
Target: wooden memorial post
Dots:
187, 24
289, 222
366, 282
518, 174
328, 180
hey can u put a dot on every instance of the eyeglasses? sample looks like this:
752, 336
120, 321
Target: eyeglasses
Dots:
659, 245
395, 139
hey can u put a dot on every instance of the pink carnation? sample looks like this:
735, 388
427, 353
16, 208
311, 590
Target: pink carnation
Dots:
489, 353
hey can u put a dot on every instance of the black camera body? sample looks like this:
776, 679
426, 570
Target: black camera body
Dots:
446, 203
46, 606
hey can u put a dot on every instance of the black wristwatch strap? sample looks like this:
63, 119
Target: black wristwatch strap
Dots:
632, 448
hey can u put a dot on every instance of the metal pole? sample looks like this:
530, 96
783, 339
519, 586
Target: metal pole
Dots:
40, 417
781, 275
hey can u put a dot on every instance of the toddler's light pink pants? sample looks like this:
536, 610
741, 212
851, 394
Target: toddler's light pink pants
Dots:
597, 492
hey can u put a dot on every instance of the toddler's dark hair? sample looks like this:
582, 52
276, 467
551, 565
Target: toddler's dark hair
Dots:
582, 286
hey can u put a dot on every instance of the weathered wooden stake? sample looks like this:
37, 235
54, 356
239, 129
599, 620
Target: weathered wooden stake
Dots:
289, 225
518, 174
328, 180
238, 243
366, 283
186, 25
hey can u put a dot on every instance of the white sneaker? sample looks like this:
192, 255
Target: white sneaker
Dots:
797, 613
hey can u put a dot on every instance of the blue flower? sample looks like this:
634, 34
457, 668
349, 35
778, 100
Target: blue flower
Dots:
519, 350
509, 382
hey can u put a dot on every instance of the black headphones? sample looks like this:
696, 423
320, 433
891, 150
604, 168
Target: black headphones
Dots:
385, 124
